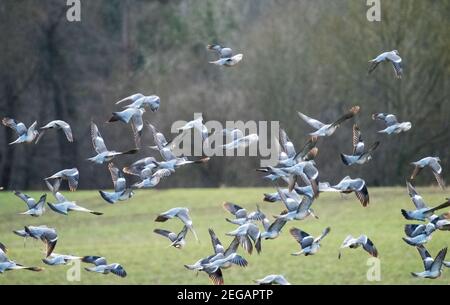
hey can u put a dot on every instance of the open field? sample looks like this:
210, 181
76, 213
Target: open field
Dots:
124, 235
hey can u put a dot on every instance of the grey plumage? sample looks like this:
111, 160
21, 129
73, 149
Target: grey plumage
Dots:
71, 175
309, 245
273, 279
362, 241
322, 129
178, 240
433, 164
180, 213
103, 154
101, 266
8, 265
393, 57
360, 154
60, 259
241, 214
392, 124
349, 185
64, 206
433, 267
134, 116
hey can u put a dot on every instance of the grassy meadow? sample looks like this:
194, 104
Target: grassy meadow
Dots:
124, 235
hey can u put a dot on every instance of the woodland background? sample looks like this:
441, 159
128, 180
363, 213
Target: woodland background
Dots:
302, 55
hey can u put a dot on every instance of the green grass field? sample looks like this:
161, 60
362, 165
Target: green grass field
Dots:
124, 235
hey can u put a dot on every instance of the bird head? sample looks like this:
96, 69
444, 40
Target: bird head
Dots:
407, 126
213, 47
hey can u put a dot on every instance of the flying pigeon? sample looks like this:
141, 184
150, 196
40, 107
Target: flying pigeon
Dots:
349, 185
422, 212
60, 259
221, 259
392, 124
35, 209
241, 214
272, 230
248, 230
295, 209
418, 234
101, 266
360, 154
273, 279
242, 142
178, 240
133, 115
47, 235
7, 265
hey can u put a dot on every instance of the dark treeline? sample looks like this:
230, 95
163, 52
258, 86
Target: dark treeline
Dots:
307, 55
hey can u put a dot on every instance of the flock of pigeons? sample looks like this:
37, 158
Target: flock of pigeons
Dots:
296, 169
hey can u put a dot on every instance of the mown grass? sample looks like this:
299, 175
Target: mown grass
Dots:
124, 235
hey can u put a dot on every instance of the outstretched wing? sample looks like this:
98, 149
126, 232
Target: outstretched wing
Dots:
67, 130
234, 209
415, 197
18, 127
277, 225
117, 177
370, 248
170, 235
217, 245
388, 119
158, 137
216, 277
234, 245
358, 144
438, 261
351, 113
324, 233
363, 196
97, 139
96, 260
